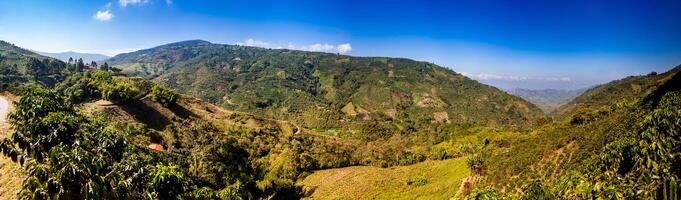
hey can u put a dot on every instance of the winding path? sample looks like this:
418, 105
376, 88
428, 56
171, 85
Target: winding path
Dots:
4, 110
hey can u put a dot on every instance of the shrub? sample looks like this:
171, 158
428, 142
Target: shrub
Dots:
475, 163
417, 181
163, 95
167, 182
118, 92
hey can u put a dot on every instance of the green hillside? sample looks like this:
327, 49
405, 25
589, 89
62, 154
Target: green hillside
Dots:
20, 65
630, 88
604, 153
330, 93
608, 149
294, 124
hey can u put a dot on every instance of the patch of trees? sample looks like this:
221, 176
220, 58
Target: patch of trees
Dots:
164, 95
98, 84
69, 156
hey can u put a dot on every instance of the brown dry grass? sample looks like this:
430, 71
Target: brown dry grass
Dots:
366, 182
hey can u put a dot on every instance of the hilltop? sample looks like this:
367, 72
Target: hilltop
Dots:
330, 93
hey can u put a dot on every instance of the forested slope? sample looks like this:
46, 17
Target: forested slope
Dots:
328, 92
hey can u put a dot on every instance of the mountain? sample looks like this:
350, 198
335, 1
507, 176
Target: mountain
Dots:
601, 139
329, 92
19, 65
616, 145
546, 99
64, 56
290, 121
629, 88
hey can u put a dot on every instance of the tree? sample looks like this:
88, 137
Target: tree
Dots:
64, 155
42, 120
104, 67
80, 65
163, 95
70, 60
34, 67
116, 69
167, 182
475, 163
93, 64
118, 92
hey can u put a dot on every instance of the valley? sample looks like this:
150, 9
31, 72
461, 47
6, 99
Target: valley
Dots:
339, 100
549, 100
227, 121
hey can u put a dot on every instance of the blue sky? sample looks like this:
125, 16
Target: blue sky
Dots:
530, 44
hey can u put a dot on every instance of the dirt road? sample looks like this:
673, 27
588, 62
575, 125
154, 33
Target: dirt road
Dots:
4, 110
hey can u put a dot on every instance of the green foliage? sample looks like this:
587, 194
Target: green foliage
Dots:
86, 86
390, 95
475, 163
536, 190
641, 165
68, 156
118, 92
417, 181
42, 120
163, 95
629, 88
105, 67
167, 182
485, 194
19, 65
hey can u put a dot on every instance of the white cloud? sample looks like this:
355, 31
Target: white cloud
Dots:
344, 48
255, 43
103, 15
489, 76
125, 3
561, 79
169, 2
319, 47
108, 5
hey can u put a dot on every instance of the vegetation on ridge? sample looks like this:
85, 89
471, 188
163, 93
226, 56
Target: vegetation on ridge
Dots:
351, 96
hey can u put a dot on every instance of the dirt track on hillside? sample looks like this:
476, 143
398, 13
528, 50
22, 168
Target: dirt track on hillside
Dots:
4, 110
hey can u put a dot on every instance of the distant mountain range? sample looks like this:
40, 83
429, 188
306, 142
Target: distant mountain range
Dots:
64, 56
547, 100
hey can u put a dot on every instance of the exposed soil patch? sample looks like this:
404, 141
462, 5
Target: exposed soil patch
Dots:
441, 117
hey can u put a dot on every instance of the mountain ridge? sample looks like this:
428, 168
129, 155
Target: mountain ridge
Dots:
64, 56
342, 88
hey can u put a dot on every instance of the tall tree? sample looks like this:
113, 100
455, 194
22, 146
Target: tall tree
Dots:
104, 67
80, 65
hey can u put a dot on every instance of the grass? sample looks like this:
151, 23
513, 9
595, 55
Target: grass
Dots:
429, 180
10, 178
